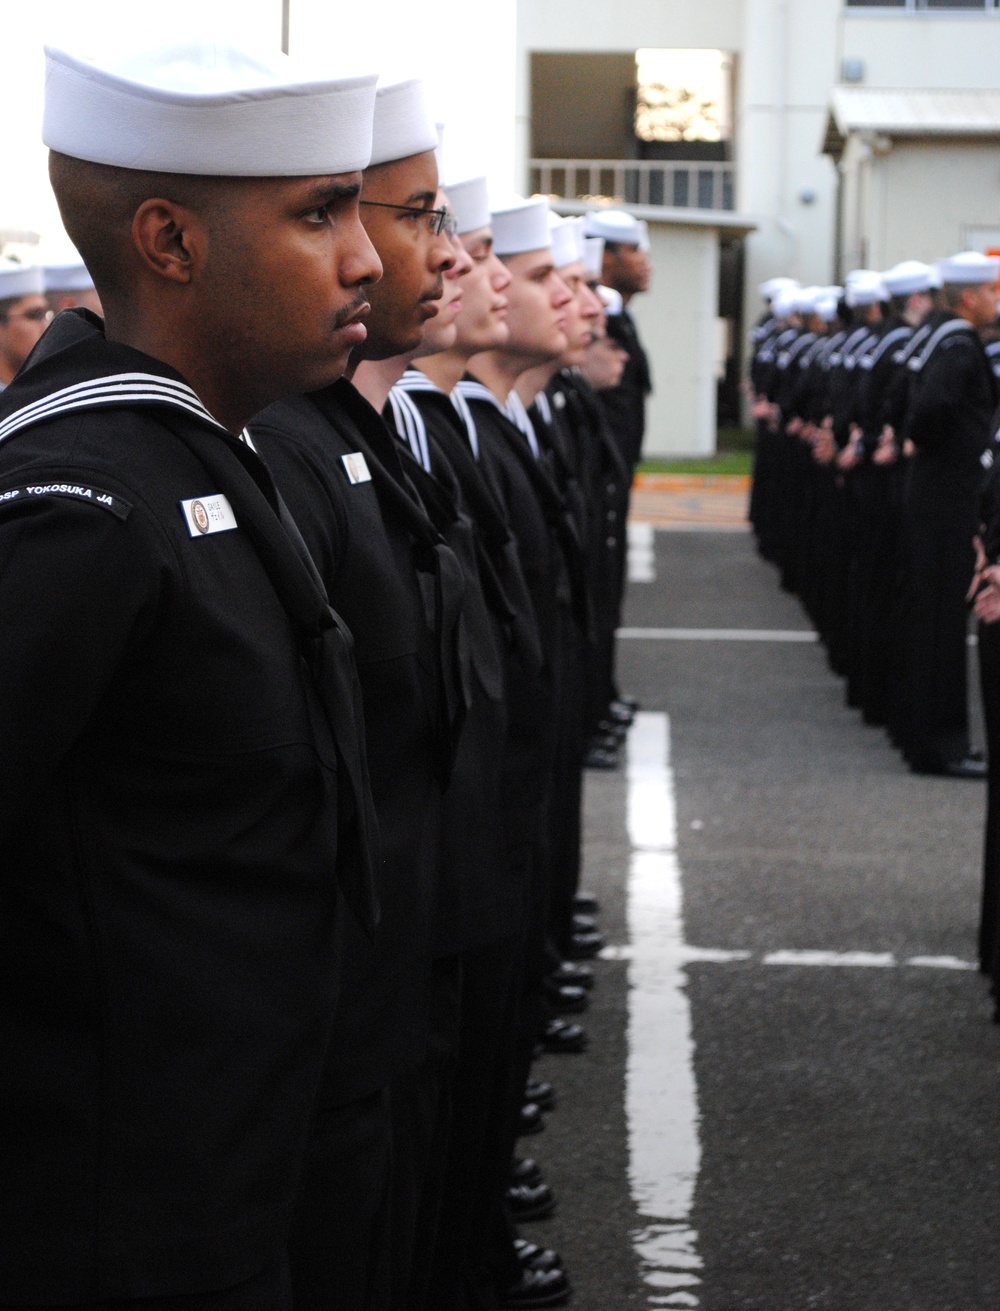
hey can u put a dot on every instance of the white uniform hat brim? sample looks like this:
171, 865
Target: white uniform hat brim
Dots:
616, 226
69, 276
469, 201
520, 225
909, 276
593, 255
403, 124
17, 280
210, 110
567, 240
969, 268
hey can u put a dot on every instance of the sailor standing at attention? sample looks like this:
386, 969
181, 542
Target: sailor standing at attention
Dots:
952, 399
183, 797
24, 314
399, 588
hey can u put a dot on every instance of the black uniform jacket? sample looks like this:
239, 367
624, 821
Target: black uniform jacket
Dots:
625, 405
952, 399
399, 589
479, 900
168, 823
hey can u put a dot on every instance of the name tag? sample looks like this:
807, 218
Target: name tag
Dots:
208, 514
357, 468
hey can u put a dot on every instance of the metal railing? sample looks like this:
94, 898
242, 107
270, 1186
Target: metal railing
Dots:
636, 182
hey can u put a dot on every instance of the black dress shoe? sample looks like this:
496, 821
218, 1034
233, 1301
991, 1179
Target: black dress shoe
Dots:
525, 1170
529, 1201
970, 767
577, 976
598, 758
586, 903
533, 1257
610, 726
541, 1093
606, 741
619, 713
531, 1120
536, 1288
582, 946
562, 1036
967, 768
564, 998
584, 923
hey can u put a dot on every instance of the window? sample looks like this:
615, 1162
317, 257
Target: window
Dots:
914, 6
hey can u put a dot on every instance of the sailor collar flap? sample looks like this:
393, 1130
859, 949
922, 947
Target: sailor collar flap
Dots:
949, 328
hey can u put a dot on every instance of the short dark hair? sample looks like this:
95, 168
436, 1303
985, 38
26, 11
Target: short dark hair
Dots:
7, 303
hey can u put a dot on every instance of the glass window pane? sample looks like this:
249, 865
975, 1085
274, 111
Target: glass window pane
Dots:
876, 4
953, 4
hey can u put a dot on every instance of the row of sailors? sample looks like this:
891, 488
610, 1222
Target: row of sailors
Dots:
462, 502
877, 492
873, 423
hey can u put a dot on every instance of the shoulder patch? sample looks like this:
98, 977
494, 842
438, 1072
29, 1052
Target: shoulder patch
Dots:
69, 491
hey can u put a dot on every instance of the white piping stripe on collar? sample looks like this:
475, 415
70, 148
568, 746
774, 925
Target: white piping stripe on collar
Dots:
413, 380
465, 414
945, 330
516, 412
872, 357
410, 426
131, 388
544, 408
477, 391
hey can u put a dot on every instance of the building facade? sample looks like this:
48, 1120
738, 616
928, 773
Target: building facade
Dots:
798, 181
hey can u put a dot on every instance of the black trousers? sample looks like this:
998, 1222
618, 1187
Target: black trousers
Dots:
270, 1290
989, 676
340, 1244
940, 522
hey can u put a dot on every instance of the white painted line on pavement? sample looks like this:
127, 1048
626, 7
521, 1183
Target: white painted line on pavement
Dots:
835, 959
661, 1096
718, 634
641, 553
941, 963
881, 960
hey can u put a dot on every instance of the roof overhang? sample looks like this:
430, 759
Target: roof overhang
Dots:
900, 112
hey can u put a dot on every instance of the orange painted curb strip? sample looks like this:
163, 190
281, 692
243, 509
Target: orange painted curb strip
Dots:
691, 482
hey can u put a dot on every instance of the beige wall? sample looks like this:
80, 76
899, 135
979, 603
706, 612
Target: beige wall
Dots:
788, 57
787, 65
677, 323
919, 199
924, 49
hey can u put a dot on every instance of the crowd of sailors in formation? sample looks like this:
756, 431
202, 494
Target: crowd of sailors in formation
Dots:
462, 501
876, 493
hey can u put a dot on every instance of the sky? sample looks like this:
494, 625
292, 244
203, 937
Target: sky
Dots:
470, 63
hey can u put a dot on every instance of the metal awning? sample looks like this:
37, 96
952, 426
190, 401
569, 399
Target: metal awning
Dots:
901, 112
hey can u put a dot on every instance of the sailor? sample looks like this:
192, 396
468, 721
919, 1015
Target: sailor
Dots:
68, 285
183, 805
626, 268
24, 314
398, 587
878, 492
953, 396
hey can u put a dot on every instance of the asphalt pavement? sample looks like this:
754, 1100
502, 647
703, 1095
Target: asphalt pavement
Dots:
805, 1051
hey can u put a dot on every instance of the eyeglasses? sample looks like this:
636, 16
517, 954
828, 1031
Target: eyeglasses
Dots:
438, 220
35, 316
